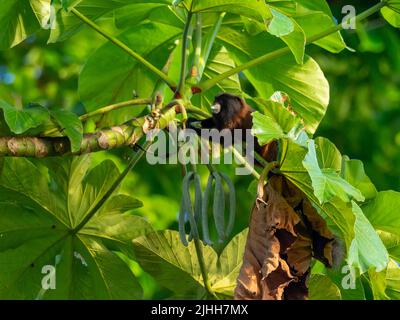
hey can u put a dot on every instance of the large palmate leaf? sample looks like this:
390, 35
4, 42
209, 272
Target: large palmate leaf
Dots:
49, 219
101, 85
347, 219
19, 19
176, 267
305, 84
66, 23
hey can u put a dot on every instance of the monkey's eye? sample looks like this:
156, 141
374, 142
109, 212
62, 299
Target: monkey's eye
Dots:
216, 108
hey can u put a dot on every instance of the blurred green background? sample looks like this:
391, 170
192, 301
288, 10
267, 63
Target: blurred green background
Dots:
363, 118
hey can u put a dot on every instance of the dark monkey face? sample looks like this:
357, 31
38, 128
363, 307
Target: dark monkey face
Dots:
225, 108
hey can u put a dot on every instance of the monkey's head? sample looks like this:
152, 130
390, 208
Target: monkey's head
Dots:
226, 108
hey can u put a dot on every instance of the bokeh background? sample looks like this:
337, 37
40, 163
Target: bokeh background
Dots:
363, 118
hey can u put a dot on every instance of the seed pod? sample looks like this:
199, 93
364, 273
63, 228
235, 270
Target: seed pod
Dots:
186, 207
204, 211
232, 204
197, 202
198, 198
219, 208
182, 231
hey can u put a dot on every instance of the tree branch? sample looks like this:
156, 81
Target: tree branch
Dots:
127, 134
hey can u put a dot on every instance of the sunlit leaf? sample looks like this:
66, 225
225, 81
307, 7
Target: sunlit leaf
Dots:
45, 224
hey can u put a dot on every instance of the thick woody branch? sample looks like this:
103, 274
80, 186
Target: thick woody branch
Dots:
127, 134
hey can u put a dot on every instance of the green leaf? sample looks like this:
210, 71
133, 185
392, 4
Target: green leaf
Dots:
99, 85
21, 120
280, 113
305, 6
67, 24
383, 212
367, 250
42, 203
72, 126
280, 25
353, 172
218, 62
305, 84
134, 14
391, 13
386, 284
322, 288
224, 269
287, 6
377, 281
20, 19
393, 281
265, 128
296, 41
68, 4
392, 244
176, 267
176, 2
326, 182
333, 43
253, 9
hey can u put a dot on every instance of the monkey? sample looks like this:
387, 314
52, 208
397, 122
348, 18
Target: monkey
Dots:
232, 112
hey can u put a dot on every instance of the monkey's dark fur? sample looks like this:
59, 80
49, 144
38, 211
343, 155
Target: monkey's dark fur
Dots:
235, 114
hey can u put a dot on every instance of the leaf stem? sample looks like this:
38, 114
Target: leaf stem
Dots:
124, 47
113, 107
200, 258
243, 161
187, 34
193, 77
198, 111
209, 42
206, 85
135, 159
